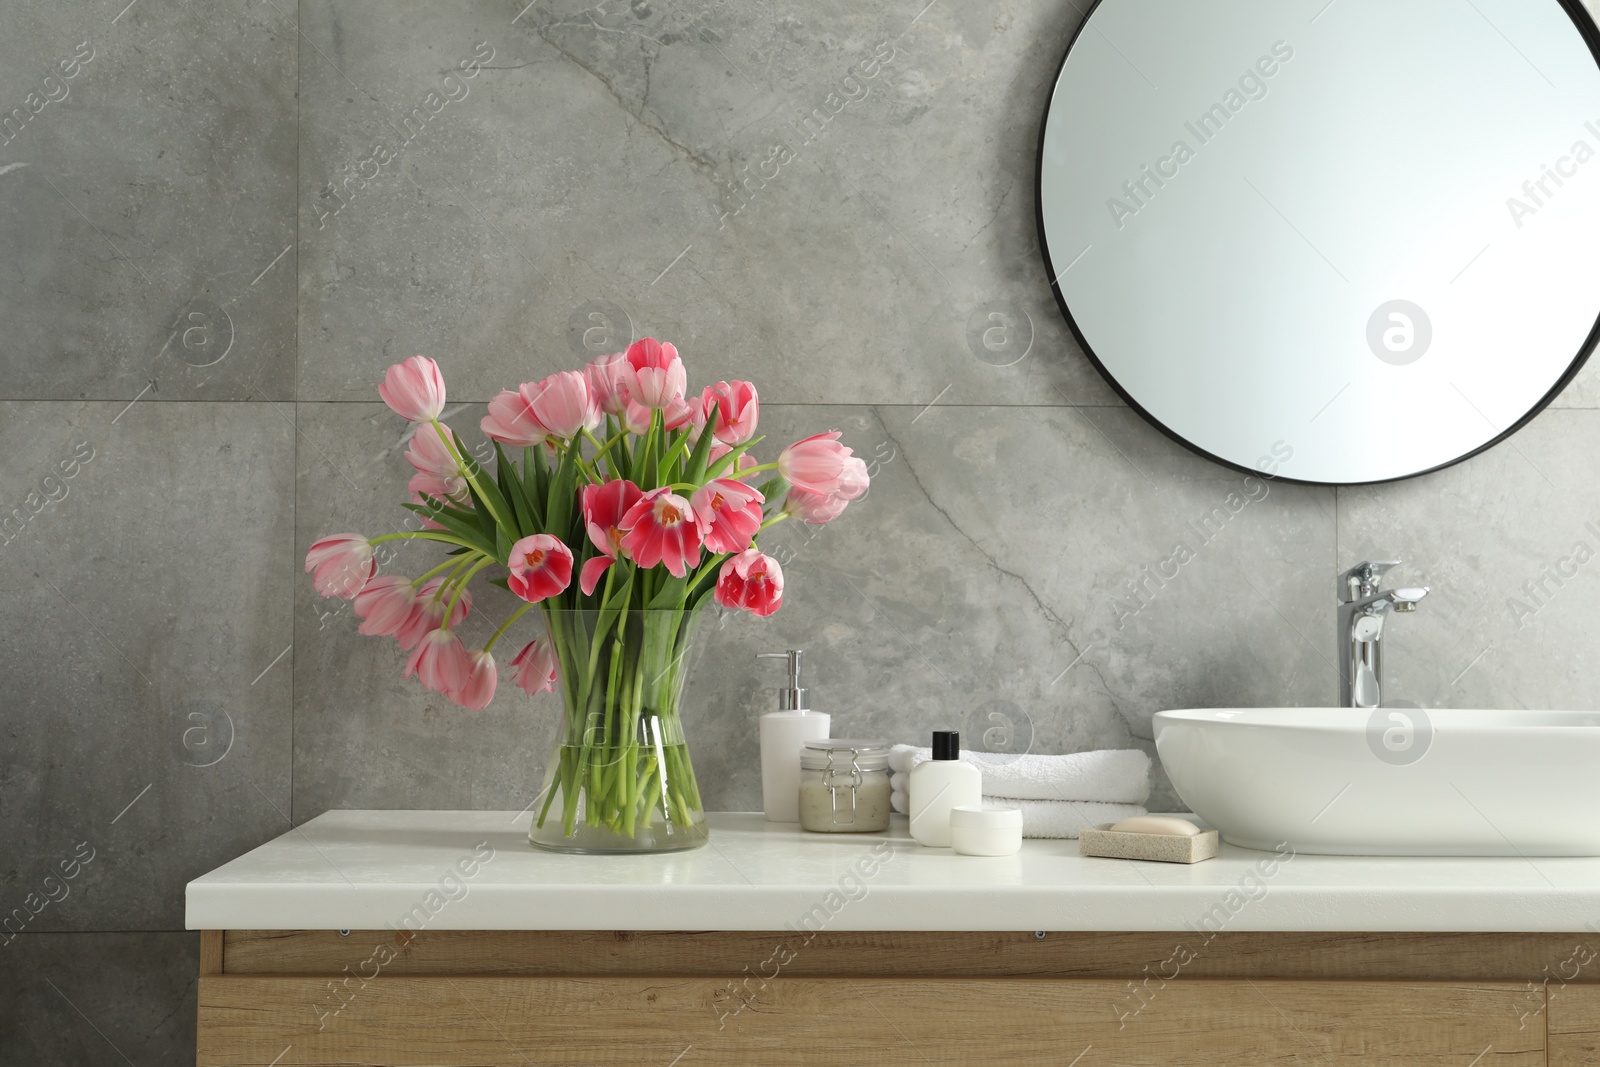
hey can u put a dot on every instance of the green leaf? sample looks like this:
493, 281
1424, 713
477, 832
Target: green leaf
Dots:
695, 470
647, 462
626, 464
439, 508
563, 487
494, 502
619, 597
486, 521
669, 462
704, 580
538, 484
670, 595
770, 487
466, 530
512, 486
729, 462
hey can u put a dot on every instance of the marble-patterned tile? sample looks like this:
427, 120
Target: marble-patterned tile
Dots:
144, 632
837, 203
1507, 541
147, 202
365, 737
1583, 391
72, 999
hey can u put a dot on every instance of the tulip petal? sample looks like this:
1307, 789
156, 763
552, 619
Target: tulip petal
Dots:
589, 577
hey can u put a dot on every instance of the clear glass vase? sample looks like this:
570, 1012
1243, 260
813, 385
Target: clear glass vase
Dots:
620, 779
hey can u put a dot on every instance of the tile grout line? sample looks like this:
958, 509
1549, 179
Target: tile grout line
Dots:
294, 471
482, 402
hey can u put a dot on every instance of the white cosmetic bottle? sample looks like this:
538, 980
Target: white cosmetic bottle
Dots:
939, 784
783, 732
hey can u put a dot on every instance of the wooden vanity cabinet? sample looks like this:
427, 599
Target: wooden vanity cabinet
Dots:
531, 999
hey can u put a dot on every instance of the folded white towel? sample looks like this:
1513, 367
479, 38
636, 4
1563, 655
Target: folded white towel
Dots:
1050, 818
1111, 776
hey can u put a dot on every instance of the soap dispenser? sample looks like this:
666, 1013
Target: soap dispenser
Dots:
783, 732
939, 784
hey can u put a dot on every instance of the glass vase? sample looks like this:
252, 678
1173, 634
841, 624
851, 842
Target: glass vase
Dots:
620, 779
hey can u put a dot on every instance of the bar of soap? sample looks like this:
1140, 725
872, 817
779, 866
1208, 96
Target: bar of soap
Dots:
1156, 824
1189, 846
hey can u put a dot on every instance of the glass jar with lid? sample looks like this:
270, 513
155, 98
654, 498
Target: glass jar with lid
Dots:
844, 786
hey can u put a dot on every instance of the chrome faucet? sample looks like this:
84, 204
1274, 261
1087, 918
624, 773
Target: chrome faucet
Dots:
1363, 606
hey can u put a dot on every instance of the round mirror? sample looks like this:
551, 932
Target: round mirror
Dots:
1344, 240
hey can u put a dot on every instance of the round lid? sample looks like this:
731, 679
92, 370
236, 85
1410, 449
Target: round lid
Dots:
986, 817
841, 752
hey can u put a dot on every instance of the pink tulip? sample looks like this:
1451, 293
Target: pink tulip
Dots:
608, 382
430, 453
440, 662
559, 406
452, 490
744, 462
481, 679
853, 479
655, 376
536, 667
662, 528
814, 508
427, 613
541, 567
511, 421
414, 389
384, 604
603, 509
730, 409
563, 403
636, 417
751, 581
820, 464
730, 513
343, 563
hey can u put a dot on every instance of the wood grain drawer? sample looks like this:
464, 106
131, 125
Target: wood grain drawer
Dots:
451, 1020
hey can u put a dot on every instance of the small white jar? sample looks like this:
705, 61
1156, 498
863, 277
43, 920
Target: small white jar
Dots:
986, 830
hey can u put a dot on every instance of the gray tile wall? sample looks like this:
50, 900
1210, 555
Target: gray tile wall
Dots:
238, 215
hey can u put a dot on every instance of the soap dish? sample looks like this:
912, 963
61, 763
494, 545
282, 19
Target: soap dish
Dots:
1166, 848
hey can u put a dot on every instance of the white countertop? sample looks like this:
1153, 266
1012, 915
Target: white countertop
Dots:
367, 870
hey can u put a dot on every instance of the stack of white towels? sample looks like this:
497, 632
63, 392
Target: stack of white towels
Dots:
1058, 795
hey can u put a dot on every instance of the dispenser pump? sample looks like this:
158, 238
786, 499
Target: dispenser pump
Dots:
792, 697
782, 733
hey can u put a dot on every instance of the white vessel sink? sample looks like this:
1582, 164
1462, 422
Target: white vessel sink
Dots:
1401, 782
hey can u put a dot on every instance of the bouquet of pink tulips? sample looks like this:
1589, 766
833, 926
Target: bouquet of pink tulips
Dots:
649, 498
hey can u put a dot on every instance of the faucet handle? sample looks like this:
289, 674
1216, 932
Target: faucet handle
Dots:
1364, 579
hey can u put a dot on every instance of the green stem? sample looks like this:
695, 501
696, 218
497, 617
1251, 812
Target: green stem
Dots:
461, 587
449, 439
428, 535
453, 561
604, 449
560, 777
515, 615
457, 565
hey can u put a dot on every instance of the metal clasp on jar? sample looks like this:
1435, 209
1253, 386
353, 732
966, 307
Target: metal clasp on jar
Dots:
835, 780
